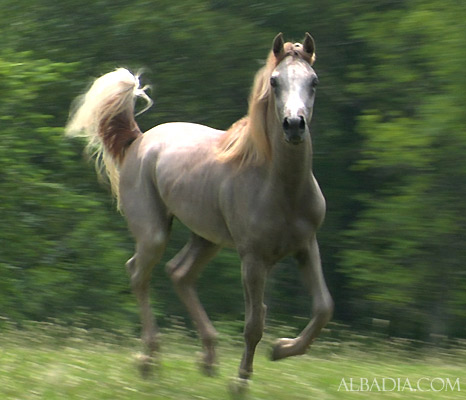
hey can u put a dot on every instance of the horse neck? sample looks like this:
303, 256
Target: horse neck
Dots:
291, 165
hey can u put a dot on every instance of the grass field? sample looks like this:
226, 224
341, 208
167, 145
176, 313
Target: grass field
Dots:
52, 362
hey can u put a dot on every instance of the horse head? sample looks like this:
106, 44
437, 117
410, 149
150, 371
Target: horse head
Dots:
294, 84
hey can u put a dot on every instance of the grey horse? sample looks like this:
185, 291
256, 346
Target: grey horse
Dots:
250, 188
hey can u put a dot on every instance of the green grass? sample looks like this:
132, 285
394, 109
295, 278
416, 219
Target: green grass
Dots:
49, 362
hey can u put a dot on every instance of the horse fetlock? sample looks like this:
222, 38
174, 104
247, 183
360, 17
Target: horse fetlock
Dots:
152, 344
209, 335
245, 374
210, 370
145, 365
208, 357
324, 310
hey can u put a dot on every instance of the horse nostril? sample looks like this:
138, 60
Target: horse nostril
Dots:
286, 124
302, 123
294, 124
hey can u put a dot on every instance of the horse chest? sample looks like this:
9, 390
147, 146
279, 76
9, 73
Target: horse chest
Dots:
274, 222
277, 234
295, 233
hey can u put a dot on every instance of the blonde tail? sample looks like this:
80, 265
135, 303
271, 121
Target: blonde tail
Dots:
104, 116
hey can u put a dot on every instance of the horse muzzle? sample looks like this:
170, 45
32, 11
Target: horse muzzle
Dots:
294, 129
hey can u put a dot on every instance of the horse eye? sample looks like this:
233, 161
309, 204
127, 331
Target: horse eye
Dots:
273, 82
315, 82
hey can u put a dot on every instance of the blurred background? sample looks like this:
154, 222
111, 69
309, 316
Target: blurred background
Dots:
388, 130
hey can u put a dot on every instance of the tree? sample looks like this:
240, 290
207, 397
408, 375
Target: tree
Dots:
405, 249
49, 262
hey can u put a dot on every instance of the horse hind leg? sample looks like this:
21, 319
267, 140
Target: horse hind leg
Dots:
184, 270
150, 226
140, 267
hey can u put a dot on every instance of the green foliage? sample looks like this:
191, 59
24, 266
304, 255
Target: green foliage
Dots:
405, 250
55, 249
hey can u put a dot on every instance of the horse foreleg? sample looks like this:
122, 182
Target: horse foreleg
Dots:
184, 270
311, 269
254, 276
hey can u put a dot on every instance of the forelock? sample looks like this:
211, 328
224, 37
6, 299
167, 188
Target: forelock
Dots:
295, 50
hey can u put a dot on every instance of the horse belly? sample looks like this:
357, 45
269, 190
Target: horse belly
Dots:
202, 218
189, 186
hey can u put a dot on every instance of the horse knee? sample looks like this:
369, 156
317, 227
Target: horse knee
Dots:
254, 327
253, 333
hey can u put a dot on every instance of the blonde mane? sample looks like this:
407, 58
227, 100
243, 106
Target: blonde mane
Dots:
246, 141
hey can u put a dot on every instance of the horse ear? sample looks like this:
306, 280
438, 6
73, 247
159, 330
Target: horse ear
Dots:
278, 43
309, 45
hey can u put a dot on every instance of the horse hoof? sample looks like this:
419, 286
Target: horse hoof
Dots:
207, 368
282, 348
238, 388
145, 365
